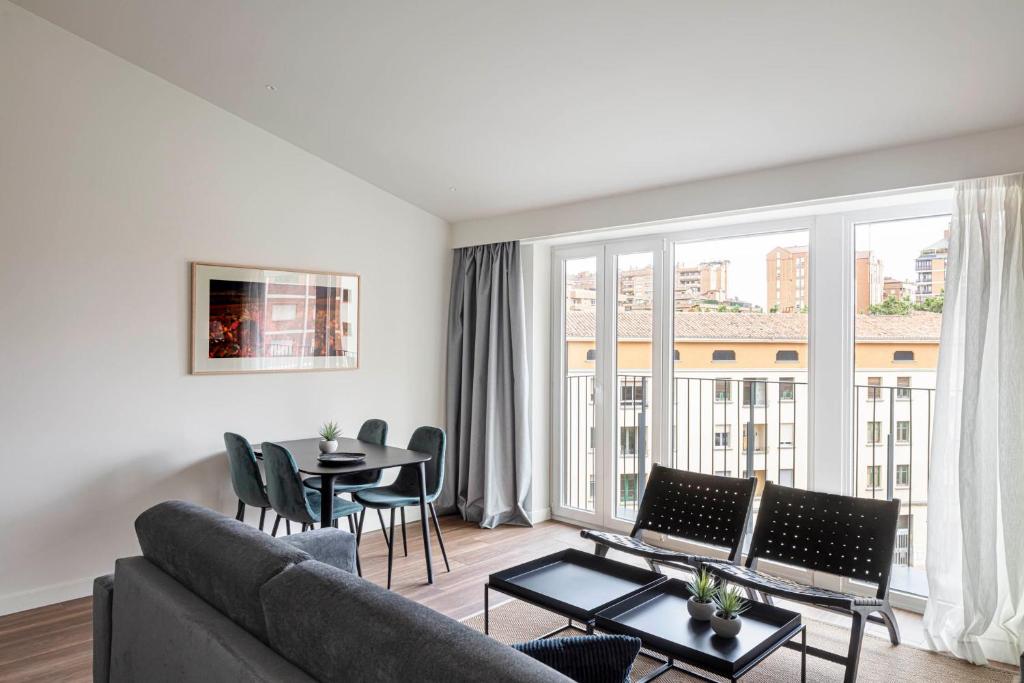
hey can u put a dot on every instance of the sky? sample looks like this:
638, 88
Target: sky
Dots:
895, 243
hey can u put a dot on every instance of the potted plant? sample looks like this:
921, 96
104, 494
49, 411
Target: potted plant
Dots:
730, 605
329, 434
703, 589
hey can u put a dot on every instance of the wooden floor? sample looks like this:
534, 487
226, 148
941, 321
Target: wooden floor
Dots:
54, 643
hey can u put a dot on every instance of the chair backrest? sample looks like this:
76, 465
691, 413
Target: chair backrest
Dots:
246, 479
425, 440
284, 485
842, 535
696, 507
374, 431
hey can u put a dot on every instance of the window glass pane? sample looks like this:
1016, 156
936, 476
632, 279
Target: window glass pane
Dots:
634, 291
739, 386
900, 274
580, 288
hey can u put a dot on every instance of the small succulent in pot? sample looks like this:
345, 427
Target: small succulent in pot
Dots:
703, 589
730, 604
329, 433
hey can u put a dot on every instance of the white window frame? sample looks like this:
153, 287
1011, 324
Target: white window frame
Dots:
830, 362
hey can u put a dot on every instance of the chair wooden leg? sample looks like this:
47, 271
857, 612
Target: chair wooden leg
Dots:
856, 639
440, 539
391, 547
240, 513
383, 529
890, 623
288, 526
359, 527
277, 522
405, 543
263, 517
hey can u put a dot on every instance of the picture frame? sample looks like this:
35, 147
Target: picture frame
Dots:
251, 319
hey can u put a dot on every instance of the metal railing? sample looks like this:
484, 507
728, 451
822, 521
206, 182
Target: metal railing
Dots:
892, 445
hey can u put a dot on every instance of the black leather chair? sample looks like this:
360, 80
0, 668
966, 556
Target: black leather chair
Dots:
704, 508
842, 535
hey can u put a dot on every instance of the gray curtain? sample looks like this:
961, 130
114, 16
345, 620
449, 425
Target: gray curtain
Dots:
488, 472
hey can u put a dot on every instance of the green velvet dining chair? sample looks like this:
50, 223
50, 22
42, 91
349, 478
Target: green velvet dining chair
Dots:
246, 479
298, 503
405, 490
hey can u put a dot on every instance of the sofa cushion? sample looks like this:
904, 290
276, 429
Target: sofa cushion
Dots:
338, 627
586, 659
330, 546
218, 558
164, 633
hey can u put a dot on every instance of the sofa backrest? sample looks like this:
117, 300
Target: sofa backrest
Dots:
219, 559
338, 627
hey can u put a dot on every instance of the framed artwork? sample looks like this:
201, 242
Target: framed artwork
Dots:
254, 319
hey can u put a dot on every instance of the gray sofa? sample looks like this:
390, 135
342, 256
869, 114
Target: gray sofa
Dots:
212, 599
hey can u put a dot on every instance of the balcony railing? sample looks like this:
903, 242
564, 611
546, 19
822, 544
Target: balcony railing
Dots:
733, 427
892, 456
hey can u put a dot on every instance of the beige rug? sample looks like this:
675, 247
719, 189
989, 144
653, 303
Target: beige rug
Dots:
515, 621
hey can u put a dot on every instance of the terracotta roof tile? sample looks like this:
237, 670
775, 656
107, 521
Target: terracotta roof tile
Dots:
917, 326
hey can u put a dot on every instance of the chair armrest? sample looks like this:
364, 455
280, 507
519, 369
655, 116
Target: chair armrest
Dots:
102, 624
330, 546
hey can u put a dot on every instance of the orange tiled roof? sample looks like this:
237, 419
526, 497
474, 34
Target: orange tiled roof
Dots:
917, 326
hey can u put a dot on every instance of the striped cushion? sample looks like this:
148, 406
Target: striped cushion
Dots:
586, 659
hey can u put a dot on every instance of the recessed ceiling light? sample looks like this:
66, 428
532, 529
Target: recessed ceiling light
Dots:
271, 87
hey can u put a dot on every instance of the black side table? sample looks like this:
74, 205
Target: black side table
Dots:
571, 583
658, 617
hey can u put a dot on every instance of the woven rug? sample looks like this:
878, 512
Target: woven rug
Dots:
515, 621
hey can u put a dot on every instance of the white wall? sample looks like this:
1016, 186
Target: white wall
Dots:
911, 166
111, 181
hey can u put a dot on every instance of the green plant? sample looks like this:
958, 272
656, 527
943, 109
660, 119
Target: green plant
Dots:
703, 586
330, 431
730, 602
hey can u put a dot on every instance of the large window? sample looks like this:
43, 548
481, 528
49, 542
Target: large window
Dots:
693, 350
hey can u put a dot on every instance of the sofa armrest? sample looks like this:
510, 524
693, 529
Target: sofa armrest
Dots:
102, 608
330, 546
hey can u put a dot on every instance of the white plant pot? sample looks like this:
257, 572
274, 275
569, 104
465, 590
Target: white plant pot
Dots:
701, 611
328, 446
726, 628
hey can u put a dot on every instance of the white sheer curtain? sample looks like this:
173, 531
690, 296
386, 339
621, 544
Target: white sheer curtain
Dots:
976, 486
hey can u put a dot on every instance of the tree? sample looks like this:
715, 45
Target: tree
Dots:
932, 304
774, 308
891, 305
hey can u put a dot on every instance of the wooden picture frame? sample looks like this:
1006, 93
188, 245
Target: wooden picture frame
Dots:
247, 319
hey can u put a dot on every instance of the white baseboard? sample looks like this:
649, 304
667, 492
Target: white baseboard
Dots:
540, 515
45, 595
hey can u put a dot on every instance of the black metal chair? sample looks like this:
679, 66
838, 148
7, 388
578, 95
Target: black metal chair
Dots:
704, 508
841, 535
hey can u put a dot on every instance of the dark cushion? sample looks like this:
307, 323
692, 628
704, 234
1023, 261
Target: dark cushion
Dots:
338, 627
219, 559
102, 614
331, 546
586, 659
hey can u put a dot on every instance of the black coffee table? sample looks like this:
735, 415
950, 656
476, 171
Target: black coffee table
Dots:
571, 583
658, 616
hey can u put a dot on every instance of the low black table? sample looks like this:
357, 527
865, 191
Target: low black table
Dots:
571, 583
658, 617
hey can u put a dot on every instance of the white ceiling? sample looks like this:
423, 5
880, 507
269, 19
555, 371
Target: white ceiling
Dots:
529, 103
